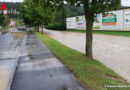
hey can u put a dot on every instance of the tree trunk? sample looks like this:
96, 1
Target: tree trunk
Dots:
42, 29
37, 28
89, 25
89, 38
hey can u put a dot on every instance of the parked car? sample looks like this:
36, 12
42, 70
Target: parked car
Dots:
22, 28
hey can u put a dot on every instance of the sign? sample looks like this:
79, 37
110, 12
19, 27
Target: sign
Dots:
126, 18
96, 24
113, 20
12, 22
109, 19
71, 23
80, 22
5, 12
3, 6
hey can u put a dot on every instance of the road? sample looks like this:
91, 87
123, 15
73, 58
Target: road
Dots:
112, 51
39, 69
9, 52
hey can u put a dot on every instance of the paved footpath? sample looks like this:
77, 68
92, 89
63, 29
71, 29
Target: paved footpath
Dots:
39, 69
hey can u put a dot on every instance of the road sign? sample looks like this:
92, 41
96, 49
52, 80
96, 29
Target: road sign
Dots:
5, 12
3, 6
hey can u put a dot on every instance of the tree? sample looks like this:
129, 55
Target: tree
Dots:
59, 23
5, 21
37, 12
74, 11
1, 19
91, 7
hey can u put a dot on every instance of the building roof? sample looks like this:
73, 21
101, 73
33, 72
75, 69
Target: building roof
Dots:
124, 7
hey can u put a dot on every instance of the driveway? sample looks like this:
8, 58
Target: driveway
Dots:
112, 51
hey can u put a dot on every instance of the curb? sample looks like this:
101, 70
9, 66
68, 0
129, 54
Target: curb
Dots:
14, 67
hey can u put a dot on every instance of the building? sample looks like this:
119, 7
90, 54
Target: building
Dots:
117, 20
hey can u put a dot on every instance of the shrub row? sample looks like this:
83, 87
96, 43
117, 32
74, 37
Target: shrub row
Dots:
56, 26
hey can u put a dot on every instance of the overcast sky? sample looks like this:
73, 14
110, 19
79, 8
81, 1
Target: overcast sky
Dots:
12, 0
124, 2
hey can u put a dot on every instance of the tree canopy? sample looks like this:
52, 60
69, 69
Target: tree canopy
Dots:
37, 12
91, 7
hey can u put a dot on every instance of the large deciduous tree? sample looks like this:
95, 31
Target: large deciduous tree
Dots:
91, 8
1, 19
4, 20
37, 12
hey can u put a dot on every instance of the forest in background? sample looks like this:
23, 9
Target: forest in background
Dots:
59, 23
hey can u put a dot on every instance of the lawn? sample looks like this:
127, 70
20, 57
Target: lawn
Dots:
117, 33
93, 74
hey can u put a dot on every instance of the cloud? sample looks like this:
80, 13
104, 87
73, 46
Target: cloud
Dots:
125, 2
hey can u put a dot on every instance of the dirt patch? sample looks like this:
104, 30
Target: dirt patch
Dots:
29, 53
18, 35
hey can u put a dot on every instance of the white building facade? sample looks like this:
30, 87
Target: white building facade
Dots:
118, 20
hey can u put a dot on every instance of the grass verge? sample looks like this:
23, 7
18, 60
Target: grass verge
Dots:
117, 33
90, 72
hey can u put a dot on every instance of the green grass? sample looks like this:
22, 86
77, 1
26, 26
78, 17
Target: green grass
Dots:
117, 33
93, 74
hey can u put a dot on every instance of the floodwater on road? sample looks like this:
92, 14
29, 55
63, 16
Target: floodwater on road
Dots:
5, 71
112, 51
9, 52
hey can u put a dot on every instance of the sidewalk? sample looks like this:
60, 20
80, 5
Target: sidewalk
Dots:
39, 69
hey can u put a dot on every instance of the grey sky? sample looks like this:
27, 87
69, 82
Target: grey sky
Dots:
12, 0
124, 2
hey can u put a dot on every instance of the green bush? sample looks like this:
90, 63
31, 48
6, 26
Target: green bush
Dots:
56, 26
97, 27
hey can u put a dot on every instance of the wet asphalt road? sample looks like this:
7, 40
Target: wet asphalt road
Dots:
9, 46
9, 51
39, 69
